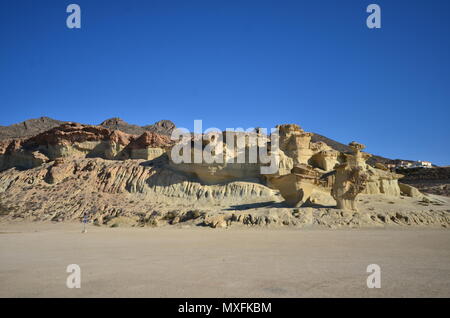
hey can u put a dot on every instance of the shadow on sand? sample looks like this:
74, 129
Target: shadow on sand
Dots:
273, 204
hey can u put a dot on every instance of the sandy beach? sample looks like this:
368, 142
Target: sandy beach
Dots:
204, 262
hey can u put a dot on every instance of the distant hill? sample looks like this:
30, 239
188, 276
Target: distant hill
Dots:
163, 127
32, 127
116, 123
28, 127
429, 180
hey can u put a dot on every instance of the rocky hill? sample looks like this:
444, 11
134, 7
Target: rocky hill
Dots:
36, 126
430, 180
32, 127
28, 128
126, 176
164, 127
75, 140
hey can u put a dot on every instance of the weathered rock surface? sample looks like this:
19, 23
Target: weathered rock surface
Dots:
345, 174
410, 191
123, 179
297, 187
148, 146
143, 193
73, 140
434, 180
162, 127
33, 127
350, 179
65, 189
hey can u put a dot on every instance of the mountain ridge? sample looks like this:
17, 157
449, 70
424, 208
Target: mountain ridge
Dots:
34, 126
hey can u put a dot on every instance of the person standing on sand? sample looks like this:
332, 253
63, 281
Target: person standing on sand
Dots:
85, 220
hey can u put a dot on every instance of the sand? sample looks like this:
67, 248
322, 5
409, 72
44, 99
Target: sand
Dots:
204, 262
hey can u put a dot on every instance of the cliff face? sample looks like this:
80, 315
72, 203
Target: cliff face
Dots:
79, 141
36, 141
73, 140
143, 193
36, 126
118, 177
429, 180
66, 188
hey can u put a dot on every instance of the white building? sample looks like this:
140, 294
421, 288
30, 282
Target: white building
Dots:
421, 164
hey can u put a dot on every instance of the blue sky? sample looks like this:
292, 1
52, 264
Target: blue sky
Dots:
237, 64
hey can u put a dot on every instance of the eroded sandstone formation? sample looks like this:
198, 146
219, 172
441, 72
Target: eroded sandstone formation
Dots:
229, 168
297, 187
141, 193
351, 178
73, 140
76, 168
348, 177
296, 143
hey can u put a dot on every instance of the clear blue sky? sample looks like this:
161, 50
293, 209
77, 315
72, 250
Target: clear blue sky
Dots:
237, 63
